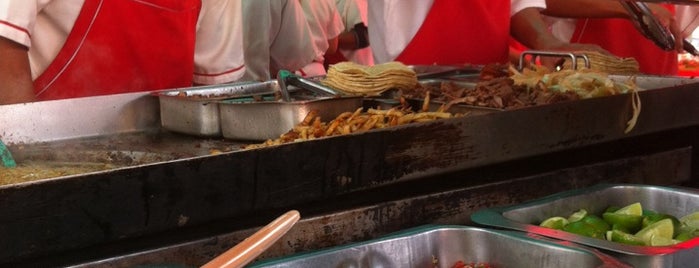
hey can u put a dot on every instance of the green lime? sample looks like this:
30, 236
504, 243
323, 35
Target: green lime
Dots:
687, 229
653, 218
685, 233
585, 229
596, 222
648, 212
659, 241
691, 220
624, 238
612, 209
684, 236
621, 228
657, 231
578, 215
554, 223
624, 222
633, 209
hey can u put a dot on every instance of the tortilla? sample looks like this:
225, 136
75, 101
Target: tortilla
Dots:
355, 79
607, 63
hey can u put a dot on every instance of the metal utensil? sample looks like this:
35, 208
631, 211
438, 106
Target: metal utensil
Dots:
687, 46
559, 65
650, 27
6, 156
244, 252
679, 2
442, 71
285, 78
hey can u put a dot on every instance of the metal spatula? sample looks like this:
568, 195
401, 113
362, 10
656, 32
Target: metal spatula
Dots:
285, 78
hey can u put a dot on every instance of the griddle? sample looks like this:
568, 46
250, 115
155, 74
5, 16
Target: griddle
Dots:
192, 187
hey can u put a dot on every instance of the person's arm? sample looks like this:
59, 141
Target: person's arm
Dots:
610, 9
332, 46
15, 74
528, 27
355, 38
333, 28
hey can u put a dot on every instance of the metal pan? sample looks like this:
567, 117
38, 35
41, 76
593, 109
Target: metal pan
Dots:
195, 111
242, 119
442, 246
673, 201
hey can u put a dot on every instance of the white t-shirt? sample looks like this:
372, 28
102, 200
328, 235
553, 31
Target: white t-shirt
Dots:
276, 36
352, 13
44, 25
325, 23
394, 23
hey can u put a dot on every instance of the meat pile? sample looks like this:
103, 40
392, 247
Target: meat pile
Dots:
495, 89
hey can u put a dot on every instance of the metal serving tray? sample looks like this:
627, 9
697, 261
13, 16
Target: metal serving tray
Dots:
195, 110
445, 245
261, 120
673, 201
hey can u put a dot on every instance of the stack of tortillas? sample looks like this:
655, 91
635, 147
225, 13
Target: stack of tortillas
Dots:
606, 63
356, 79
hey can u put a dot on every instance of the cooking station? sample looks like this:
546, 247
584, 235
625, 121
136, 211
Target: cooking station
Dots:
183, 199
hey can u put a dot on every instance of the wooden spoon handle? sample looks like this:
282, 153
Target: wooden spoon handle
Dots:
246, 251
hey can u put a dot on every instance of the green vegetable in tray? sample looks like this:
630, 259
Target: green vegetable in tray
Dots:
586, 229
630, 225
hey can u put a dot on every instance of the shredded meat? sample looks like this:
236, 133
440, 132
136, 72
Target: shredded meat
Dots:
495, 89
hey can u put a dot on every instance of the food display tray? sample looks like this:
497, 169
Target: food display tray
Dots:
443, 246
261, 120
674, 201
195, 111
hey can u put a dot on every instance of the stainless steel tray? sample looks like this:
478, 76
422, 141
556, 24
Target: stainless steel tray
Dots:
673, 201
263, 120
195, 110
420, 247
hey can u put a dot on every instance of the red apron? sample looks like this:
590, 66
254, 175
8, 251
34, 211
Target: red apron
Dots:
119, 46
621, 38
458, 32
